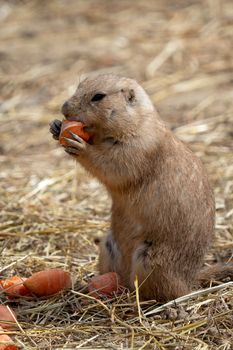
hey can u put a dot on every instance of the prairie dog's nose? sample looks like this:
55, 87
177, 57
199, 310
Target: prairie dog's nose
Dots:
66, 109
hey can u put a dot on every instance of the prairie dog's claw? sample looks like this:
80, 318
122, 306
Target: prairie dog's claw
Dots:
76, 144
76, 137
72, 151
55, 128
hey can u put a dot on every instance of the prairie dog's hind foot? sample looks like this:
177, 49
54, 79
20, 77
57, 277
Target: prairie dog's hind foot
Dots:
156, 280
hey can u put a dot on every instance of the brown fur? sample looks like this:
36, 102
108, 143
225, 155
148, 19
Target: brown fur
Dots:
162, 204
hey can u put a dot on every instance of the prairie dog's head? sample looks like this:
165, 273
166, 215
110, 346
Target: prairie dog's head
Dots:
110, 106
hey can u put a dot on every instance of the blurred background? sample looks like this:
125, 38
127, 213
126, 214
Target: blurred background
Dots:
180, 51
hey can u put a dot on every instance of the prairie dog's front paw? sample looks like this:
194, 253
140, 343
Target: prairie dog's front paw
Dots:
75, 146
55, 128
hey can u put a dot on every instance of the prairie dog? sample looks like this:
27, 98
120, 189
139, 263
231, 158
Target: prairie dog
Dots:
163, 209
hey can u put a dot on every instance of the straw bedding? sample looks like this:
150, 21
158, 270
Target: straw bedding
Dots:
51, 210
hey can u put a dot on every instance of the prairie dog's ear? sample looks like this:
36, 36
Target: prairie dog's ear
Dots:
129, 95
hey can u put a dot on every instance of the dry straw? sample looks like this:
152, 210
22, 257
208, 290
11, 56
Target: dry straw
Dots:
51, 211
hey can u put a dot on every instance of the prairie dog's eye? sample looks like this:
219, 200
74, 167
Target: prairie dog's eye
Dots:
97, 97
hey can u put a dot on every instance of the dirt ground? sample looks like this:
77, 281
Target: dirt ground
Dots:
51, 210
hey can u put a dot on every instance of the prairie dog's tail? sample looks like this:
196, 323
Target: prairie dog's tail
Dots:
217, 272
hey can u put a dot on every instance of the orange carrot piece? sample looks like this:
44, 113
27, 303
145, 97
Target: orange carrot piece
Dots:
7, 318
48, 282
6, 343
104, 285
14, 287
75, 127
